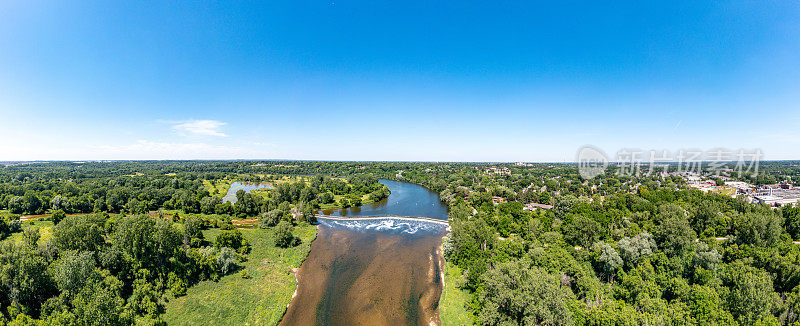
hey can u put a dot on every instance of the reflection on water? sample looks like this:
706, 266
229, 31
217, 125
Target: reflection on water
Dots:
406, 199
370, 272
247, 187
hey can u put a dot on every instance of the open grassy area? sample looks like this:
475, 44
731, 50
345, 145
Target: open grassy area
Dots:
725, 190
453, 304
45, 230
217, 187
260, 299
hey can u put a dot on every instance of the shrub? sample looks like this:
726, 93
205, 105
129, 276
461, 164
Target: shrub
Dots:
283, 235
58, 216
226, 260
232, 239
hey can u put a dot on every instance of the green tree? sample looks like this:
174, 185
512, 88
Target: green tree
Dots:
760, 229
751, 296
674, 234
637, 247
79, 232
232, 239
516, 294
58, 216
283, 236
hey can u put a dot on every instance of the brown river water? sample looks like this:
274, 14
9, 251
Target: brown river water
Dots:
373, 271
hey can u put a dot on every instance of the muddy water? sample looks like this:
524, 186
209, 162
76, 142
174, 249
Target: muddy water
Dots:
370, 272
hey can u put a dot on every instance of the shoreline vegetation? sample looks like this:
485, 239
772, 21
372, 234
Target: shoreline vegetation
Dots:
260, 299
453, 303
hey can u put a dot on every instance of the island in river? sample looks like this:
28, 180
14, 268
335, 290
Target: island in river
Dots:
377, 270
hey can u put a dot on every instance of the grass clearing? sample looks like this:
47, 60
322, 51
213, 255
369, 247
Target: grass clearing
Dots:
45, 231
453, 303
260, 299
725, 190
217, 187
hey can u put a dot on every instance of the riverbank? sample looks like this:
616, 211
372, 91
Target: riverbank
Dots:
453, 303
260, 299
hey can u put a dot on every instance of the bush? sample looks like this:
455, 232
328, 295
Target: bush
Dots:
58, 216
226, 260
232, 239
283, 235
270, 219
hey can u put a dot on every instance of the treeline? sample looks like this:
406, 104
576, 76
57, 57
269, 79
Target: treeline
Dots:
136, 194
657, 256
101, 270
121, 187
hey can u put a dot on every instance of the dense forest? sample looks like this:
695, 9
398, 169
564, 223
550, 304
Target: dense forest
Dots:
615, 249
124, 237
632, 251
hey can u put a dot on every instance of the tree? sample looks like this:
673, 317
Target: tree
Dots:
344, 202
208, 204
24, 277
101, 303
760, 229
608, 259
283, 236
751, 295
73, 271
270, 219
79, 232
59, 203
58, 216
674, 235
232, 239
32, 203
326, 197
634, 248
226, 260
706, 257
16, 205
308, 214
193, 231
514, 294
30, 236
583, 231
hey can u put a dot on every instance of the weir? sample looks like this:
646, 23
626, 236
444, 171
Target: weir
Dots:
394, 217
379, 264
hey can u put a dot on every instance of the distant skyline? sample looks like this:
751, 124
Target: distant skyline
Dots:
500, 81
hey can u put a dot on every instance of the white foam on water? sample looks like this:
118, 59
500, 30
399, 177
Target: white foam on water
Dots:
387, 224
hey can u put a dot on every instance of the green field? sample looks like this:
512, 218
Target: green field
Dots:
217, 187
260, 299
725, 190
453, 304
45, 230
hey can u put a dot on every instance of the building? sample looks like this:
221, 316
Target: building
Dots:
535, 206
496, 200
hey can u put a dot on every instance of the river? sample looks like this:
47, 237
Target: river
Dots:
375, 270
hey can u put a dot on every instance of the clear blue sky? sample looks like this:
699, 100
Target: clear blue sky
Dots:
395, 80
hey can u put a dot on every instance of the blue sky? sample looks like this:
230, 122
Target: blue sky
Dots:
411, 80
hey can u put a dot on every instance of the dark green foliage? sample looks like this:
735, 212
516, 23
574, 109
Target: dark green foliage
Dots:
515, 294
232, 239
758, 228
282, 235
80, 232
58, 216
